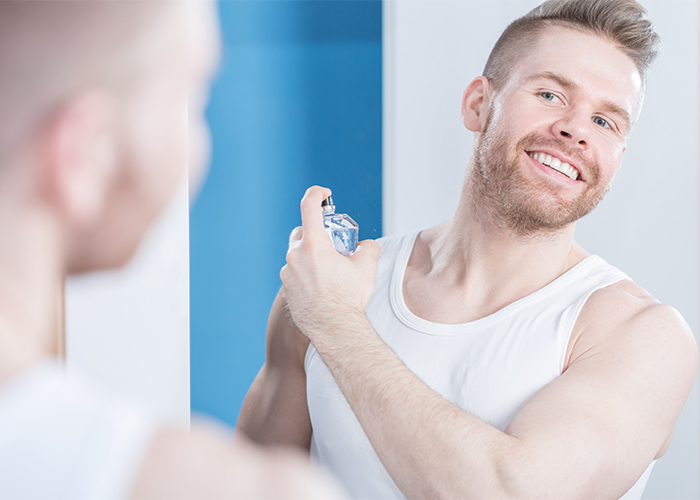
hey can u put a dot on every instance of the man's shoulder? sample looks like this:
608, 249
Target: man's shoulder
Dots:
394, 239
625, 316
206, 462
624, 301
619, 301
60, 419
392, 245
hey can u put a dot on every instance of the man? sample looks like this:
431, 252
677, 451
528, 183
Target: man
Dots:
491, 356
95, 134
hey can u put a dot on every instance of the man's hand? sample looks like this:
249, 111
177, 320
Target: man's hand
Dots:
323, 288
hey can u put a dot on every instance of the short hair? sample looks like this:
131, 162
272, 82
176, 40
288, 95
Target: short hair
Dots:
623, 22
52, 49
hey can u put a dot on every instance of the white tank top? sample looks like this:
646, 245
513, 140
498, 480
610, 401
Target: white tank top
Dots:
489, 367
60, 438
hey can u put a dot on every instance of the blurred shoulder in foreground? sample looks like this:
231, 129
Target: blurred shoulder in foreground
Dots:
101, 115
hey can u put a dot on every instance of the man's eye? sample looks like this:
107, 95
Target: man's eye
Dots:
600, 121
548, 95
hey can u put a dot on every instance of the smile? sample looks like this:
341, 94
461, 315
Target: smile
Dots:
555, 163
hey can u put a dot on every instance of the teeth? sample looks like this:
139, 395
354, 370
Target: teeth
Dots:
556, 164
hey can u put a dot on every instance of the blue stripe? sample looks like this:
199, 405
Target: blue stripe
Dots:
297, 102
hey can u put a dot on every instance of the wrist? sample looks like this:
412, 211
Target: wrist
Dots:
340, 332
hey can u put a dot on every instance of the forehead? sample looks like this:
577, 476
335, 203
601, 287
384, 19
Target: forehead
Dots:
595, 65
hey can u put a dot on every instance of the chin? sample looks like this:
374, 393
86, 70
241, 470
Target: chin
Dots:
102, 258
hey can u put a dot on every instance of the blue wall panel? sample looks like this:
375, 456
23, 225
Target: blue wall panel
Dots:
297, 102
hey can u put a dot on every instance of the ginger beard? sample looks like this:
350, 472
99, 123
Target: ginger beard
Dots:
503, 197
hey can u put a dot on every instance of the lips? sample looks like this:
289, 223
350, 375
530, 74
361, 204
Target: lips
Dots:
555, 163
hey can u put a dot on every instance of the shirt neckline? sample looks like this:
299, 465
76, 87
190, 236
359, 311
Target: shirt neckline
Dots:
428, 327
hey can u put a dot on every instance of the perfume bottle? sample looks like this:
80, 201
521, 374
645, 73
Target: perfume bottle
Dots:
340, 227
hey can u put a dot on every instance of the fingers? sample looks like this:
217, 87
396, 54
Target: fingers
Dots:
311, 218
295, 237
367, 250
284, 272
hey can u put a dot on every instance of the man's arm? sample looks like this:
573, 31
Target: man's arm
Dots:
588, 434
274, 410
203, 463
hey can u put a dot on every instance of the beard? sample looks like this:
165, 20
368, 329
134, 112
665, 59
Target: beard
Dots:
504, 198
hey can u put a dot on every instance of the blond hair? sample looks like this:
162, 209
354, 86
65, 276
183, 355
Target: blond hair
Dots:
623, 22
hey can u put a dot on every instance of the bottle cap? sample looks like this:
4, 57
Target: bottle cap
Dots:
327, 202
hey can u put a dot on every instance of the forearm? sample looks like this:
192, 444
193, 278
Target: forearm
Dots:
430, 447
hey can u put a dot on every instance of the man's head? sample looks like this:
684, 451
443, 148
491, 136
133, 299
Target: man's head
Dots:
552, 126
623, 22
101, 112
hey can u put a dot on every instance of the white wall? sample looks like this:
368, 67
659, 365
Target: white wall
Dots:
648, 225
129, 329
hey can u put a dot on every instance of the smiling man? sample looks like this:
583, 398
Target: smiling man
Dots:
491, 356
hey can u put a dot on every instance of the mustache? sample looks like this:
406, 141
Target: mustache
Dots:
535, 140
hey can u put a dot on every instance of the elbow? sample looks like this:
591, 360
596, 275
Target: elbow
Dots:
510, 481
500, 473
510, 474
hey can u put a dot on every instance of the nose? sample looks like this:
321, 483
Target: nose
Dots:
573, 129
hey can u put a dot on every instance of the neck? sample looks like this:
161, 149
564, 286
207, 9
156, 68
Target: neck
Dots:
481, 266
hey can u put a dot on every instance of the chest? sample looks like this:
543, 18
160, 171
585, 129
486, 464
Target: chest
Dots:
489, 370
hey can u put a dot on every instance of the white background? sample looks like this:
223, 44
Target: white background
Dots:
648, 224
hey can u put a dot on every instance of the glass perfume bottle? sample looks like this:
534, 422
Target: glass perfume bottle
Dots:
340, 227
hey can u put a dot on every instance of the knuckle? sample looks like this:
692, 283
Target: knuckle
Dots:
313, 246
295, 235
292, 259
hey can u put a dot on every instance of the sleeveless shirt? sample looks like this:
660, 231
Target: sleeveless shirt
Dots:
489, 367
61, 438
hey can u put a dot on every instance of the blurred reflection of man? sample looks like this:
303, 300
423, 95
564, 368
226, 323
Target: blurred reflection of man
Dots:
491, 356
95, 134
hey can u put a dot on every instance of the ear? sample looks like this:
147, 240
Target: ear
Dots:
80, 156
475, 104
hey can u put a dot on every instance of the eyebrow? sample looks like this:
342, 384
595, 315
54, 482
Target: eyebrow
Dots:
560, 79
569, 84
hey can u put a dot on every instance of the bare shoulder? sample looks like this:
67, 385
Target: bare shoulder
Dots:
625, 316
204, 463
628, 306
628, 342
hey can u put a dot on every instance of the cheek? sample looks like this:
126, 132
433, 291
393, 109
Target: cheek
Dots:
199, 145
611, 155
517, 121
159, 137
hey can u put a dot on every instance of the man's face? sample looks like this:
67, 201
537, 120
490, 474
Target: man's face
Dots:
556, 131
164, 134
